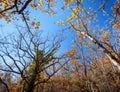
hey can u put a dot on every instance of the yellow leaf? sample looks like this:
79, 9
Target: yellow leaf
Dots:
60, 22
52, 12
40, 3
81, 0
71, 0
69, 18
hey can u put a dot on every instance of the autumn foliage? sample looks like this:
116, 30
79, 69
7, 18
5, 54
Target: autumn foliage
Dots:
32, 62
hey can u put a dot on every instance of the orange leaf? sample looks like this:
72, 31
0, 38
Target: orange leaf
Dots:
73, 61
32, 23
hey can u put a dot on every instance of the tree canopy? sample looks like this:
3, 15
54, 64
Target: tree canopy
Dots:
32, 61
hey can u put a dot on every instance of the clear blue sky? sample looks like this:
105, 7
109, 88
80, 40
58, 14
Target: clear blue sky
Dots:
48, 25
48, 22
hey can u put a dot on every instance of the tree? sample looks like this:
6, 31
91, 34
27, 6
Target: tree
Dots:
29, 58
79, 21
95, 45
10, 8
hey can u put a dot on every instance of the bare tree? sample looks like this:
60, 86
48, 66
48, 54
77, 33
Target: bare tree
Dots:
30, 56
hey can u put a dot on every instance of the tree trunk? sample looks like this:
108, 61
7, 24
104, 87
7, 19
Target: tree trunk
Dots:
31, 84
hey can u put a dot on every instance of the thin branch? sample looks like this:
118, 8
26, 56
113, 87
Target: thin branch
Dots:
7, 9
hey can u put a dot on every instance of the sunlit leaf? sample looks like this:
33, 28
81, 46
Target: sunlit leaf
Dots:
81, 0
73, 61
40, 3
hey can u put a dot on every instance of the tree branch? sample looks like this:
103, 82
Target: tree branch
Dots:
7, 9
24, 7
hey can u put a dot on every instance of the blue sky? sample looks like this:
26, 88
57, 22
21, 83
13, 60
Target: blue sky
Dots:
48, 22
48, 26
